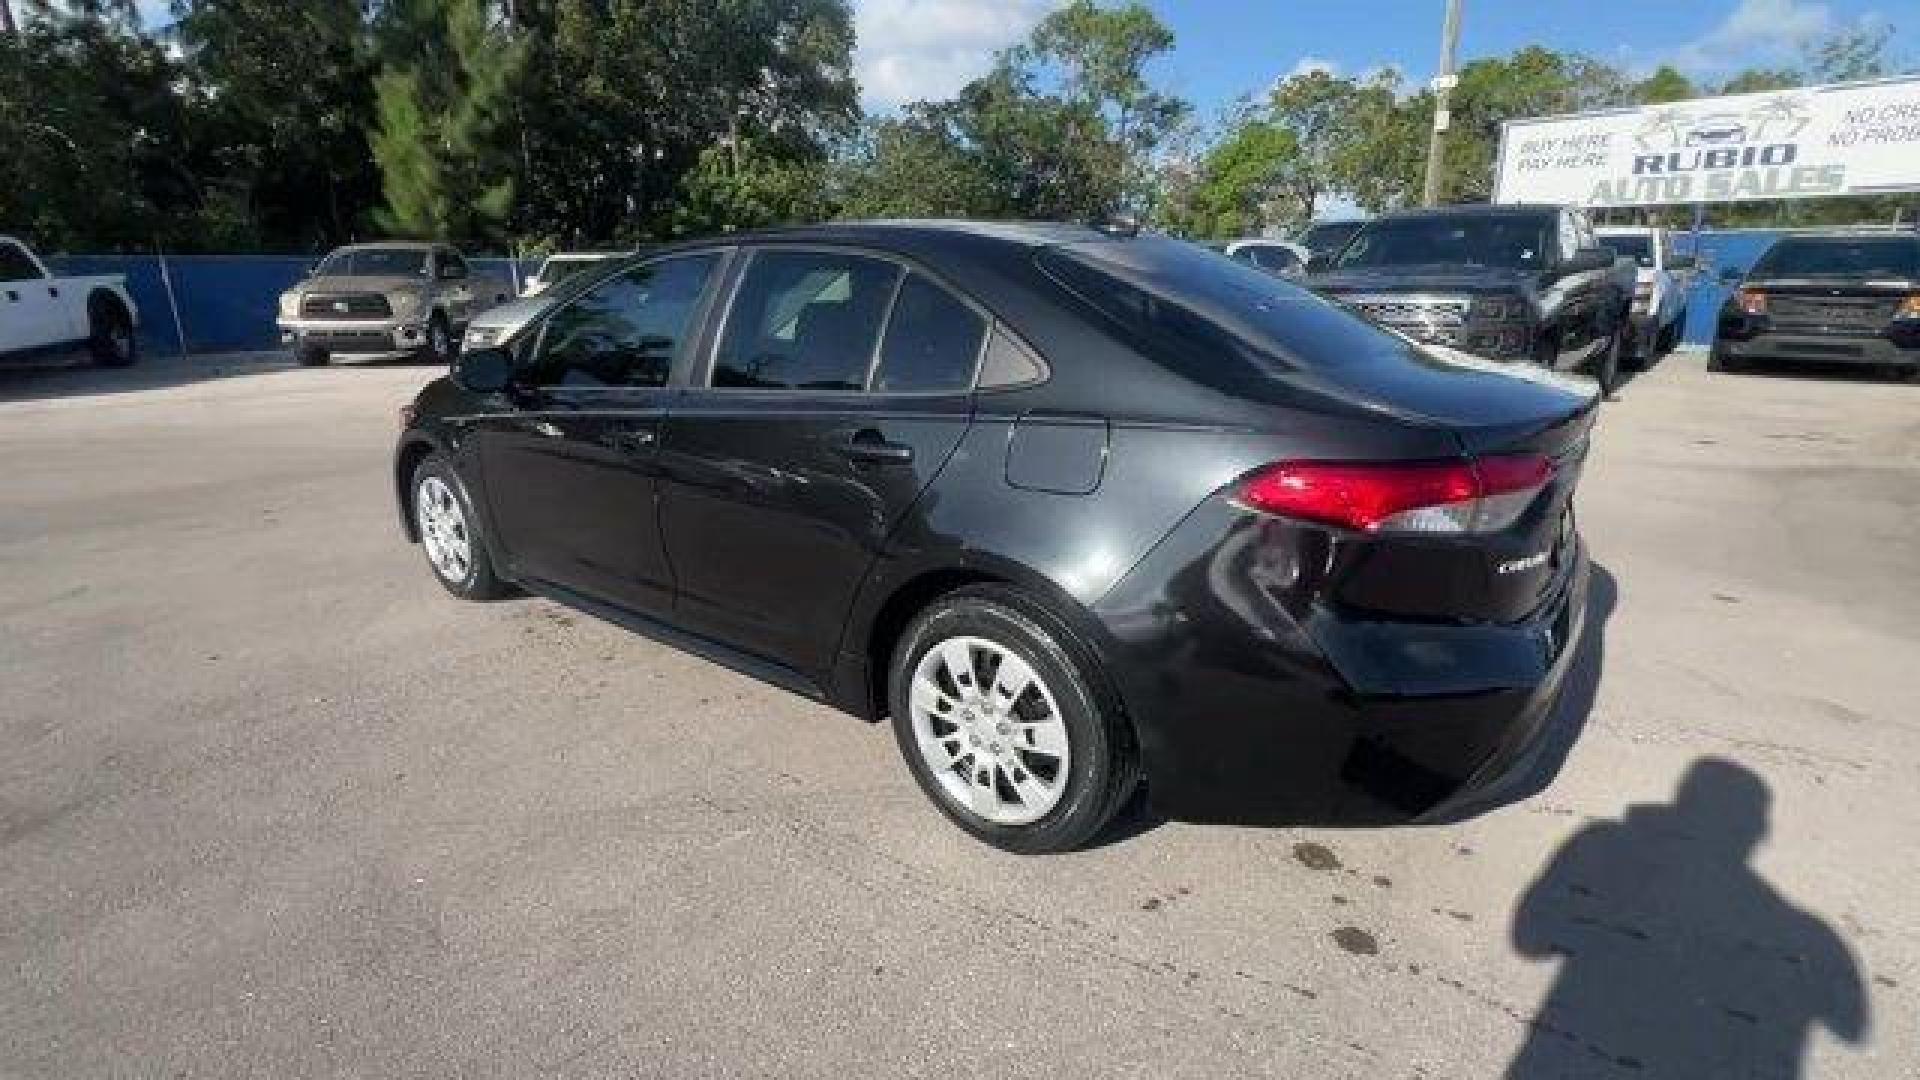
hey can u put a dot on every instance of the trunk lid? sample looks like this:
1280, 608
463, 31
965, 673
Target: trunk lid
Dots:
1832, 306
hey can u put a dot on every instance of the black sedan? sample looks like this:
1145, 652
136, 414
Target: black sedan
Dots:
1073, 509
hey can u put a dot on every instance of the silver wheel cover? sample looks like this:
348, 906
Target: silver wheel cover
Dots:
443, 529
989, 731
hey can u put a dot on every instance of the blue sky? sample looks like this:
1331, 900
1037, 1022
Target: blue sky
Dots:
1225, 48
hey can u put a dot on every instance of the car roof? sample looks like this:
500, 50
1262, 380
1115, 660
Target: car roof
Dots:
1475, 210
403, 245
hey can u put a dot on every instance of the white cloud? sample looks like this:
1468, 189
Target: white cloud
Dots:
1757, 32
908, 50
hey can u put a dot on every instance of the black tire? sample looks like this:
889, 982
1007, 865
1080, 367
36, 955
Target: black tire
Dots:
439, 344
1720, 360
476, 580
1102, 769
1606, 367
310, 356
110, 337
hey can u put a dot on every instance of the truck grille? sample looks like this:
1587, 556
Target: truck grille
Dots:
1413, 312
345, 306
1843, 313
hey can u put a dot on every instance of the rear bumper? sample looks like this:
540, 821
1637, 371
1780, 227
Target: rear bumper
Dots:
1834, 349
358, 337
1251, 713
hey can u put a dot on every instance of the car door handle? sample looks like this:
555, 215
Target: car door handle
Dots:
868, 444
632, 442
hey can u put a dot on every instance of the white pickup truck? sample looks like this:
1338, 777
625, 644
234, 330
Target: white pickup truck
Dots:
41, 314
1662, 277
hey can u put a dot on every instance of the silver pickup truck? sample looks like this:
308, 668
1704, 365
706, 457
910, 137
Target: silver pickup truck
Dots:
385, 300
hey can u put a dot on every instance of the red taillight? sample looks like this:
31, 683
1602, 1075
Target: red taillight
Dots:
1751, 301
1422, 496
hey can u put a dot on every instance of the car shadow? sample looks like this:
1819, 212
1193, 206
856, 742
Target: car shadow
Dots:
64, 377
1832, 373
1676, 958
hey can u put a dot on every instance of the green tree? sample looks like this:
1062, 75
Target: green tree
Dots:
1065, 125
443, 105
96, 148
1241, 179
1663, 86
286, 142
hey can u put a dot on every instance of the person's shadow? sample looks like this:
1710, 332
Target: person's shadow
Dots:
1676, 957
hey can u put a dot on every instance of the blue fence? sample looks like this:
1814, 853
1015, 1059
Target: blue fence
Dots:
226, 302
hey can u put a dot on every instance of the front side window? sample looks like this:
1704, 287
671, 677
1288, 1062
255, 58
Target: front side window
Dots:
932, 342
626, 331
804, 320
15, 265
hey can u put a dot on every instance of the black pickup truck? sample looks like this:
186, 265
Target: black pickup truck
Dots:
1528, 284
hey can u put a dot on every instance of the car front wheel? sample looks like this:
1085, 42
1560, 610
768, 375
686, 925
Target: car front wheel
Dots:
450, 533
1004, 725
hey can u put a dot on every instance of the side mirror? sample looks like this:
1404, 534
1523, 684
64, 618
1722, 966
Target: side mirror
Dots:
1593, 258
483, 371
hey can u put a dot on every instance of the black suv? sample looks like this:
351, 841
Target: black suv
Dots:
1845, 300
1518, 283
1069, 507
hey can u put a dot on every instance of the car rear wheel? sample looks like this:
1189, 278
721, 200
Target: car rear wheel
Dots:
449, 532
1720, 360
1004, 725
110, 333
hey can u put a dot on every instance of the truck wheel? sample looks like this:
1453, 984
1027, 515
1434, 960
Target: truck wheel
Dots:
439, 346
1606, 369
110, 332
311, 356
1720, 360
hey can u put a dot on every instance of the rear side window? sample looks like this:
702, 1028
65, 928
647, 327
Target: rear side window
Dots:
804, 320
1213, 320
15, 266
932, 343
1841, 257
625, 331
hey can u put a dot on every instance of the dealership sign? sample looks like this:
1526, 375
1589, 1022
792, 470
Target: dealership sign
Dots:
1850, 139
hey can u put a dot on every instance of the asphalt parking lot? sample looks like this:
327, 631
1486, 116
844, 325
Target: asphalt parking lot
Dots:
272, 803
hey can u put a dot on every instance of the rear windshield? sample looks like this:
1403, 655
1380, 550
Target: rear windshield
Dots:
1505, 240
1635, 246
1217, 321
1327, 236
1866, 257
376, 262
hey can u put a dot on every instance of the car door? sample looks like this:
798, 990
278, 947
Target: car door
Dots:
838, 385
32, 314
571, 473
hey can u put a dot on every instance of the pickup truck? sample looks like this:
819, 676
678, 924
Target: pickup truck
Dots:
1515, 283
375, 301
1662, 279
43, 315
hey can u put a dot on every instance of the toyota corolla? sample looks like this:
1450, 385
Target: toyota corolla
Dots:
1073, 510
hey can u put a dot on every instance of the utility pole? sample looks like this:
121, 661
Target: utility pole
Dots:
1442, 87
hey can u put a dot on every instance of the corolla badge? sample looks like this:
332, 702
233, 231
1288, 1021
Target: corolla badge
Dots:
1529, 562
